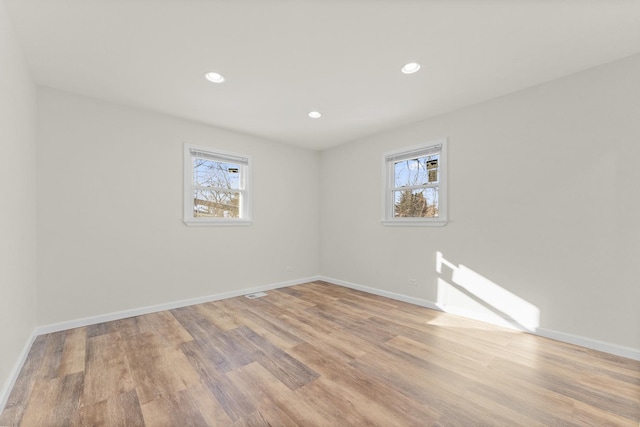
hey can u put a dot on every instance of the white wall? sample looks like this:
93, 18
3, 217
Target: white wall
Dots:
544, 202
110, 228
17, 202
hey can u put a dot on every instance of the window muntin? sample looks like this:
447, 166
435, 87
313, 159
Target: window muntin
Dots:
416, 186
216, 187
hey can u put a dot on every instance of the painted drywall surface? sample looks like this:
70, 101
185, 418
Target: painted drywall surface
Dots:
17, 200
110, 228
543, 202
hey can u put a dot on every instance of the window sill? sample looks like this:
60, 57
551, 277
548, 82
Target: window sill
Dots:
413, 223
216, 222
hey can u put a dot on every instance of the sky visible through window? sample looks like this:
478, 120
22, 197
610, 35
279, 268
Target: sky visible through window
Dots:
209, 173
420, 171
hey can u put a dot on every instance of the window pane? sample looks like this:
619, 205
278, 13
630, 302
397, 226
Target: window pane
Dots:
209, 173
420, 203
419, 171
216, 204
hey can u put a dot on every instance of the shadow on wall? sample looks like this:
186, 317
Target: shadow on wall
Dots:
470, 294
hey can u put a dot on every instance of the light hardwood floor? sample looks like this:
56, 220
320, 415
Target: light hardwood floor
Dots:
316, 355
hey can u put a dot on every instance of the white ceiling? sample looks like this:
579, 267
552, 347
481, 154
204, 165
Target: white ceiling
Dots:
284, 58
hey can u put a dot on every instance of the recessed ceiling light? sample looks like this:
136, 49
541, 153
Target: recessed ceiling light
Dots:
410, 68
315, 114
214, 77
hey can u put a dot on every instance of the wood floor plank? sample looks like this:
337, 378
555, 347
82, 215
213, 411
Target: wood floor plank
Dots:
206, 335
354, 408
287, 302
107, 371
487, 388
370, 389
264, 390
23, 388
239, 348
235, 404
278, 336
210, 409
62, 397
353, 323
52, 357
504, 405
566, 382
73, 353
218, 315
469, 368
310, 294
178, 409
316, 354
255, 419
274, 416
415, 380
119, 410
532, 403
611, 363
290, 371
342, 342
586, 415
273, 329
337, 313
305, 330
611, 384
102, 328
173, 334
157, 370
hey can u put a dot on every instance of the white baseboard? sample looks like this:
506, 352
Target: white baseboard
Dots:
78, 323
15, 371
618, 350
399, 297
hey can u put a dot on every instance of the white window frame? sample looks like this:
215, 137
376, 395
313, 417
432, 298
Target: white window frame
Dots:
244, 161
390, 158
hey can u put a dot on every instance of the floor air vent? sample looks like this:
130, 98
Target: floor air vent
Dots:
256, 295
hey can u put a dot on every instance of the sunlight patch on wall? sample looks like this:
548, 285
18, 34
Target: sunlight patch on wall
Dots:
472, 294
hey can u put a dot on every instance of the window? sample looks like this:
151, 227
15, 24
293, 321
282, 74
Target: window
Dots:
216, 187
415, 187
